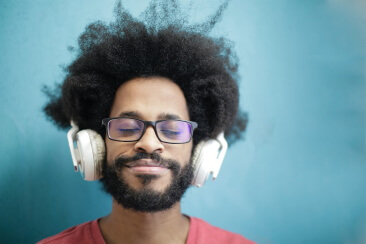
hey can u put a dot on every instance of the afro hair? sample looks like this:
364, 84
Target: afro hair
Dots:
160, 43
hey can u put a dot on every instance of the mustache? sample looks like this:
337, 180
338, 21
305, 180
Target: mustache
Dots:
171, 164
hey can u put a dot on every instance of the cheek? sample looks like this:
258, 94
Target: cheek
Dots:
183, 153
109, 150
115, 148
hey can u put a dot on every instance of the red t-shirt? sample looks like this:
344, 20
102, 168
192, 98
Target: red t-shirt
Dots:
200, 232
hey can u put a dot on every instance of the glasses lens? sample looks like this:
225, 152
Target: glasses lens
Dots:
174, 131
124, 129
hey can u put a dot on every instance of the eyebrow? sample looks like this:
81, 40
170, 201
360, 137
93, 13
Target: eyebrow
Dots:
137, 115
168, 116
131, 114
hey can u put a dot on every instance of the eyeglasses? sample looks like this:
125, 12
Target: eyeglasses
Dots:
169, 131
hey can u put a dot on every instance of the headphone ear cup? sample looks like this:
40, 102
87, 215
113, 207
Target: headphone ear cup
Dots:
207, 159
195, 162
200, 165
92, 153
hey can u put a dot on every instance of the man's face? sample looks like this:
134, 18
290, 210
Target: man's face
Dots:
128, 174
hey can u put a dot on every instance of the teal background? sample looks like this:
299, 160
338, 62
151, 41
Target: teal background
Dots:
300, 175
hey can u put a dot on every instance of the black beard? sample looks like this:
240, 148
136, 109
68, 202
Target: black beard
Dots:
146, 200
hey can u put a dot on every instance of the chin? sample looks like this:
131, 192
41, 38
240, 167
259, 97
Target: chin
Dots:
147, 181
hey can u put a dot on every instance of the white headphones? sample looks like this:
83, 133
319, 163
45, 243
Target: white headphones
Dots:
88, 153
207, 159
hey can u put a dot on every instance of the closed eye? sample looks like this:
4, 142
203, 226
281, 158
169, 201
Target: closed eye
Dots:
171, 133
127, 132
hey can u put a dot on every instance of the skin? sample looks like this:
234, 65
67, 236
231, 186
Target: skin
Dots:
150, 99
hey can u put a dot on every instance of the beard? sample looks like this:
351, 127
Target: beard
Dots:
145, 199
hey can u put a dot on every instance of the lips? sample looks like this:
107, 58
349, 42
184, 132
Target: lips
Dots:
147, 166
144, 163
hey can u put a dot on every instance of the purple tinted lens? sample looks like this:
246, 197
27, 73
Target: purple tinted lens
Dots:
174, 131
124, 129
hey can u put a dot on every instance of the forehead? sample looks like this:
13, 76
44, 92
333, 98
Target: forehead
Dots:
151, 98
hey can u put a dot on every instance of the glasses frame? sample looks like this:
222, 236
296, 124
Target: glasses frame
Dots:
193, 124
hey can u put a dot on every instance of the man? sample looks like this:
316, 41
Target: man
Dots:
155, 91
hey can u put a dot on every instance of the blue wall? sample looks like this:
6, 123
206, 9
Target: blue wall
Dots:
300, 175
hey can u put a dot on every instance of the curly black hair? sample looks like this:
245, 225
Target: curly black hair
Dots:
161, 43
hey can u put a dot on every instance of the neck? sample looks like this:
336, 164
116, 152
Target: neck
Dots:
127, 226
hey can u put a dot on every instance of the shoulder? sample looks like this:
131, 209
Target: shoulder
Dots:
88, 232
202, 232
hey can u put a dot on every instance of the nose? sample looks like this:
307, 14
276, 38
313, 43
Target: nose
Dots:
149, 142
